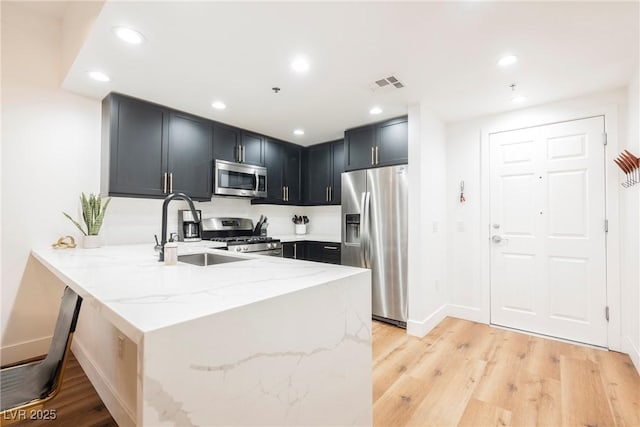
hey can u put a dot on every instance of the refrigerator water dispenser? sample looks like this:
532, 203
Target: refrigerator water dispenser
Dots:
352, 228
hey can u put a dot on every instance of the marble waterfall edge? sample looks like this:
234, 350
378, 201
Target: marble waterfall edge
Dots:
300, 359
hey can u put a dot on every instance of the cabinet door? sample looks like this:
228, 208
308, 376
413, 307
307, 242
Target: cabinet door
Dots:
287, 250
273, 153
225, 143
190, 156
291, 157
330, 252
252, 146
358, 145
337, 162
318, 174
137, 140
393, 142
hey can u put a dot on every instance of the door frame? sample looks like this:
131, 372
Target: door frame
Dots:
534, 118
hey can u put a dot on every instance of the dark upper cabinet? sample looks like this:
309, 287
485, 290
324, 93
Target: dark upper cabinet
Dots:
134, 140
273, 162
377, 145
393, 142
226, 140
282, 161
337, 163
291, 173
190, 156
317, 174
152, 150
323, 165
359, 148
251, 149
237, 145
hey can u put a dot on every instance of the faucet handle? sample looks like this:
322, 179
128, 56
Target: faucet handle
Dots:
157, 247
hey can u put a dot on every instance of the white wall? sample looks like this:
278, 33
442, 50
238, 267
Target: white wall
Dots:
50, 143
630, 243
467, 231
427, 221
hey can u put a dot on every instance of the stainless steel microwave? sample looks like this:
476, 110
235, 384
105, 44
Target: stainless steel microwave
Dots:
239, 179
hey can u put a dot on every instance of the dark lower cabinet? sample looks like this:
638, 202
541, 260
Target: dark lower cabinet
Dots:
312, 251
152, 151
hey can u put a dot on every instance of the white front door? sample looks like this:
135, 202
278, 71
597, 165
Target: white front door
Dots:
548, 255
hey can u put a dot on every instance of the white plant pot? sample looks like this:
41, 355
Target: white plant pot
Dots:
91, 242
301, 228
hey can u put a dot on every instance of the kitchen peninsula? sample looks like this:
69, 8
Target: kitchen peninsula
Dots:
263, 340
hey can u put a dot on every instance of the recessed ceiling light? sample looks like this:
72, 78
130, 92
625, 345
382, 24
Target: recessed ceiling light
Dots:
99, 76
518, 99
300, 65
128, 35
507, 60
375, 110
219, 105
298, 132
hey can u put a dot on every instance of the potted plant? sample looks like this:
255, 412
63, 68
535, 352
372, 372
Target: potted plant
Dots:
93, 214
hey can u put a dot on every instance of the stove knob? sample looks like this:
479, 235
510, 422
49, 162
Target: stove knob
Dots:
245, 248
268, 245
238, 248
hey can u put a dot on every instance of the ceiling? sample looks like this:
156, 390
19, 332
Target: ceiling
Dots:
445, 54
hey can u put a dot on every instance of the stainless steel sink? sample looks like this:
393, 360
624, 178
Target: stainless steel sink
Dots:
208, 259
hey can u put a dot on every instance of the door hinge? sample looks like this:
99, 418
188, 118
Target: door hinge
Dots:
604, 139
606, 225
606, 313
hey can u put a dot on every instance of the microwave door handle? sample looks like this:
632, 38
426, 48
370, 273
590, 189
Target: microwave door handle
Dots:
255, 174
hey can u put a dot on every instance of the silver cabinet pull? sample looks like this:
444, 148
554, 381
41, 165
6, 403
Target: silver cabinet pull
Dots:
377, 158
373, 158
326, 194
295, 251
333, 248
287, 193
244, 154
330, 193
164, 184
284, 196
171, 183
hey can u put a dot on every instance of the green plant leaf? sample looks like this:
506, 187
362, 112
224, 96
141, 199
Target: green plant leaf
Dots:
75, 222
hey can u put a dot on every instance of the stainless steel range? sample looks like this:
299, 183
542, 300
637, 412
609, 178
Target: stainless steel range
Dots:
240, 235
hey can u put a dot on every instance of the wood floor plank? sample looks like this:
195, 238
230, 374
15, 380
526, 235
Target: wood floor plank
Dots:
584, 401
620, 380
482, 414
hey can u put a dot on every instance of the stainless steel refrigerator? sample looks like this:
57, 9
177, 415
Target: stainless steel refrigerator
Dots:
374, 235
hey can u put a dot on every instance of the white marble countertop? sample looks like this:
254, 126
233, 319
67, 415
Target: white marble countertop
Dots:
139, 294
318, 237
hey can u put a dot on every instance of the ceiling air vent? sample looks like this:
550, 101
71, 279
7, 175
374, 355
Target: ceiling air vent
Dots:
388, 83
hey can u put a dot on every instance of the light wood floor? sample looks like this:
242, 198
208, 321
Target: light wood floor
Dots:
468, 374
461, 374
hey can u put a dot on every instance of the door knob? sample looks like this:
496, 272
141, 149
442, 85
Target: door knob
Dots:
496, 238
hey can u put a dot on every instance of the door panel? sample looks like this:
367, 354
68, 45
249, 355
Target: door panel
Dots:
353, 187
252, 146
393, 147
318, 174
387, 251
225, 143
337, 163
291, 156
358, 144
547, 210
273, 152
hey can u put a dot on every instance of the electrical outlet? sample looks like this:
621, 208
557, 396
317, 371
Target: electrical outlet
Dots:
460, 226
120, 346
434, 226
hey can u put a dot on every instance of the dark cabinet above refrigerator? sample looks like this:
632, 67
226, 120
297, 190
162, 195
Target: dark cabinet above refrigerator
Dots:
377, 145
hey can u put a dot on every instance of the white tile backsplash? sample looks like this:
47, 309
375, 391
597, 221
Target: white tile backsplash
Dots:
131, 220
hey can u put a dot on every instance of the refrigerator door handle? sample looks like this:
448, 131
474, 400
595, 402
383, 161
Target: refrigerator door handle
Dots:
364, 231
365, 235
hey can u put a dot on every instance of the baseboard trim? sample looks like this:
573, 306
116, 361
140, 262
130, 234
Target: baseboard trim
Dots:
25, 350
118, 410
422, 328
473, 314
632, 351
